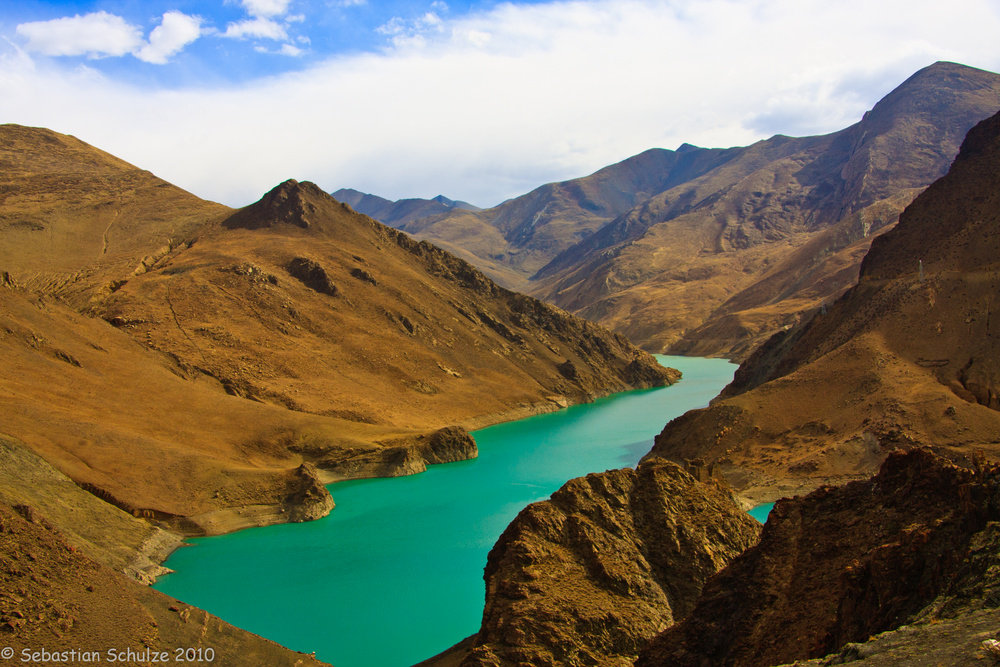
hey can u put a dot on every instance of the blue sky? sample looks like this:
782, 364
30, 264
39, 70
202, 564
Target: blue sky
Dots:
477, 100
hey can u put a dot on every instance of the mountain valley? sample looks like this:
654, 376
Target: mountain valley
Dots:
710, 251
175, 367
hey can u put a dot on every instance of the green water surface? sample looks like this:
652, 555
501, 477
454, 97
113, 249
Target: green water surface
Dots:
394, 574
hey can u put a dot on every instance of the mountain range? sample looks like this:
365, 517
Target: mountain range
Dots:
874, 425
401, 211
710, 251
176, 367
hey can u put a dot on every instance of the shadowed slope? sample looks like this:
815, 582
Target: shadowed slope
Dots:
909, 355
913, 545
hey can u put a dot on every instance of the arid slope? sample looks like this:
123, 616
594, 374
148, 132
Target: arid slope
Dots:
239, 358
76, 220
299, 301
907, 356
777, 230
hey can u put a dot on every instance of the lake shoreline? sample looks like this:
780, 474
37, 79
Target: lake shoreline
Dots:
242, 517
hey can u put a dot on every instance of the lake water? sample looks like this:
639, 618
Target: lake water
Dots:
761, 512
394, 574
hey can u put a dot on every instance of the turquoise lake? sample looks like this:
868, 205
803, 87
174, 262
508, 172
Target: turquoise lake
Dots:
394, 574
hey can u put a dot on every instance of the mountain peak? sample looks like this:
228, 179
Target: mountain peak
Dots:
290, 203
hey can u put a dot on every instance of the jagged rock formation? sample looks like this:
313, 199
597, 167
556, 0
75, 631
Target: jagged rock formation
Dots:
908, 356
587, 577
915, 546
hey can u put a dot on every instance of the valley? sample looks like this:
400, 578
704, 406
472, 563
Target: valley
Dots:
706, 251
175, 368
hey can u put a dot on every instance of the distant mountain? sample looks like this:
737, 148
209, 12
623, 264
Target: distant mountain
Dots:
401, 211
709, 251
512, 241
907, 356
717, 264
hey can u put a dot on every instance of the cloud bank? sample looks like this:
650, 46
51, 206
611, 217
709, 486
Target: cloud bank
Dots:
488, 105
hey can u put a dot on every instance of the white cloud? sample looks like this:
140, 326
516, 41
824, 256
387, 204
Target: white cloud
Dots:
94, 35
290, 50
258, 27
492, 104
266, 8
413, 32
176, 31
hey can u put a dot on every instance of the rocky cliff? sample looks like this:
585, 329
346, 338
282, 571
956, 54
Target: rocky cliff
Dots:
912, 546
588, 576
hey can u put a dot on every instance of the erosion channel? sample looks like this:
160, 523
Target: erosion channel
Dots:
394, 574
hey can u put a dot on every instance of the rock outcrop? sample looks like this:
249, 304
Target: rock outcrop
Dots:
309, 499
590, 575
913, 546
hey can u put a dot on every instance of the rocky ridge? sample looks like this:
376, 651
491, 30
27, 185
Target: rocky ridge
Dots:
708, 251
590, 575
900, 553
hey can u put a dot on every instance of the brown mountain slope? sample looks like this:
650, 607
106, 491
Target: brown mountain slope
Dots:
299, 301
512, 241
907, 356
293, 331
665, 267
912, 549
56, 600
138, 430
75, 220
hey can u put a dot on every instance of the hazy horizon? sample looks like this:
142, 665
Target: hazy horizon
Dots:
477, 101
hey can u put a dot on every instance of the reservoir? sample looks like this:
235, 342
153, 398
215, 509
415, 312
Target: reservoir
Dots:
394, 574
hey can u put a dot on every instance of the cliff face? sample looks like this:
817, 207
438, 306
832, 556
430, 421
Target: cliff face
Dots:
841, 565
909, 355
590, 575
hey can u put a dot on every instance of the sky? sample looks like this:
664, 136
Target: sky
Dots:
476, 100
